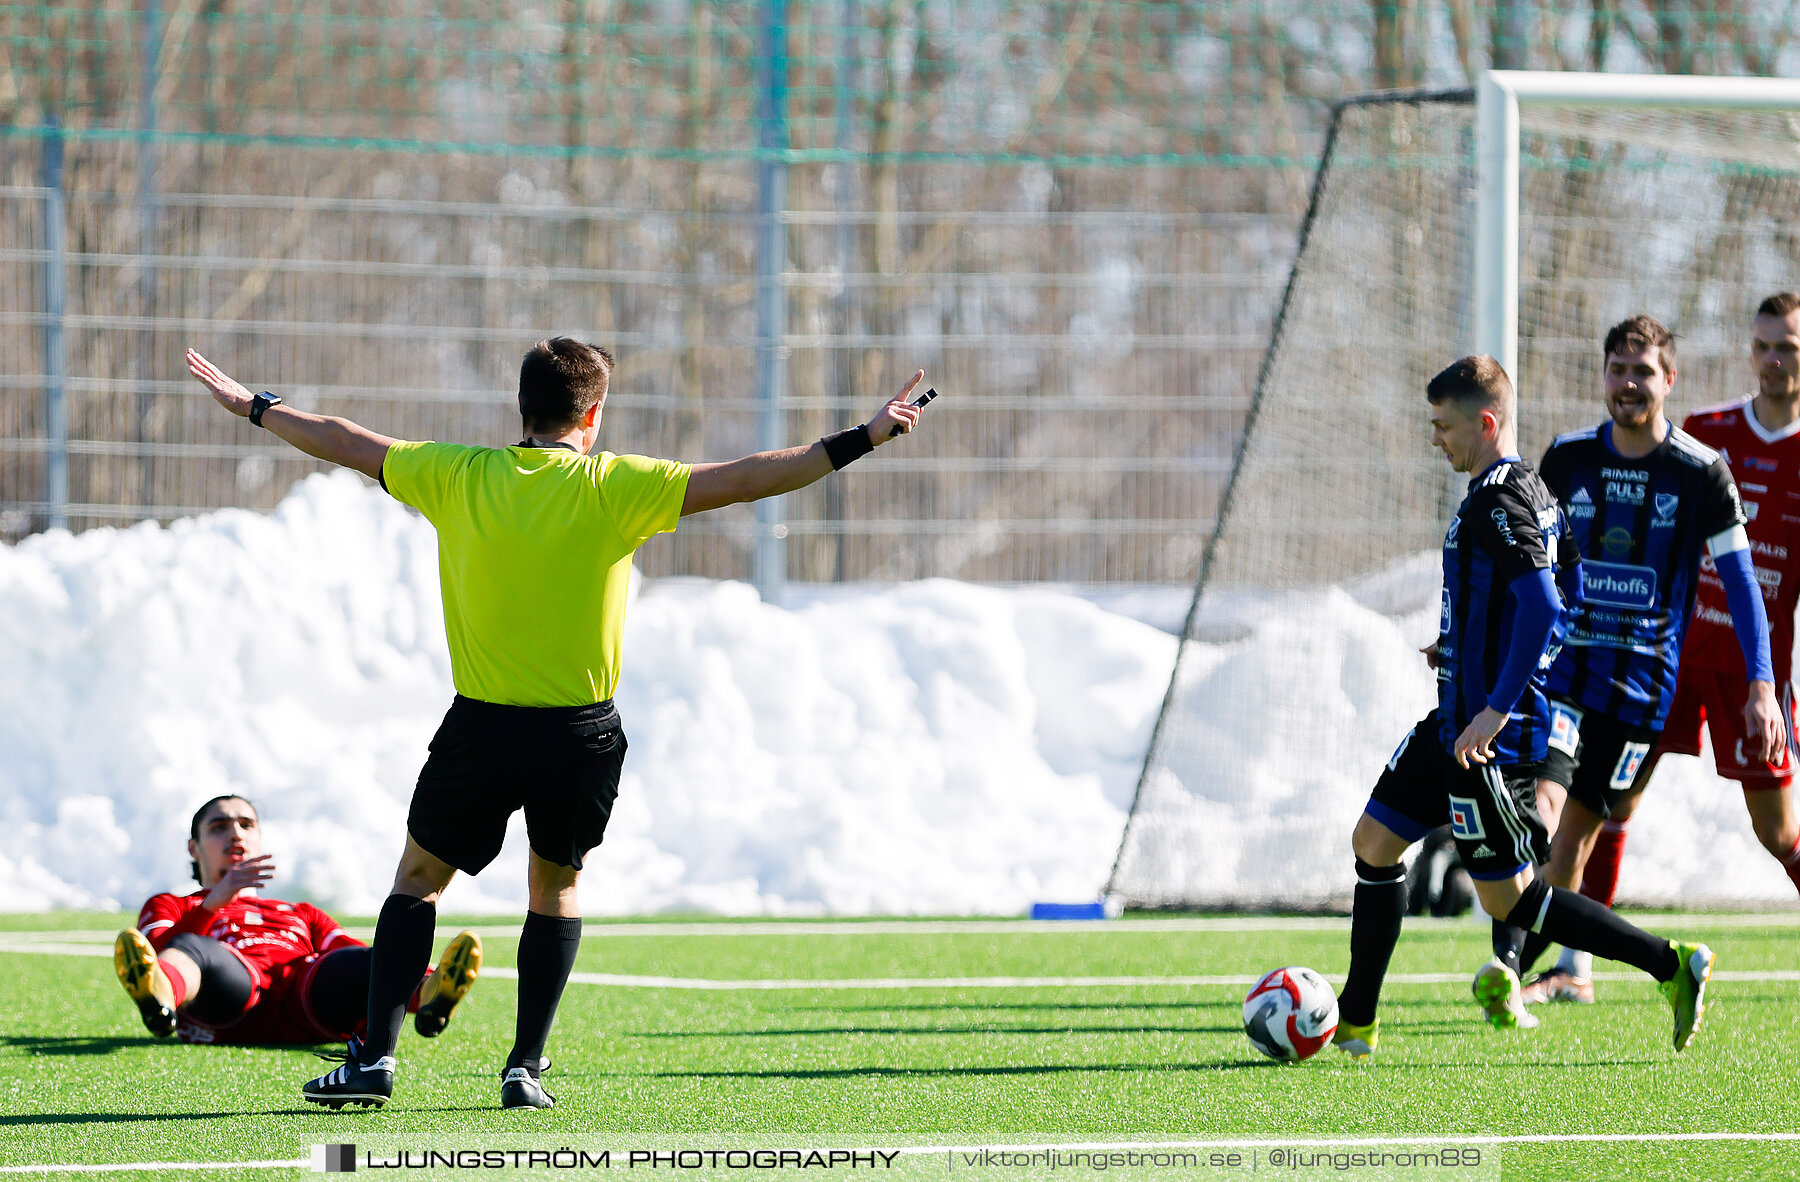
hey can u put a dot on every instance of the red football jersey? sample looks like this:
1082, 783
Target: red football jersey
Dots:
269, 934
278, 942
1766, 465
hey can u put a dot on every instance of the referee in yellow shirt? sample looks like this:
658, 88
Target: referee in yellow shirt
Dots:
534, 555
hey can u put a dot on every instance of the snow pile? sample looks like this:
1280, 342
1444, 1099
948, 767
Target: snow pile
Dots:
1283, 723
928, 748
925, 748
1272, 747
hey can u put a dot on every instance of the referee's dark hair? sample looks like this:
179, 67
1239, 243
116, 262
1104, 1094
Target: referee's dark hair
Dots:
200, 815
559, 380
1641, 332
1475, 382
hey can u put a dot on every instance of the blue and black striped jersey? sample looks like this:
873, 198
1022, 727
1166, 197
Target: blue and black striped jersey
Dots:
1507, 526
1641, 526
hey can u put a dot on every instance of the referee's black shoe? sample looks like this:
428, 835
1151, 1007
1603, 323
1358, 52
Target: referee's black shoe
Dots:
351, 1082
520, 1087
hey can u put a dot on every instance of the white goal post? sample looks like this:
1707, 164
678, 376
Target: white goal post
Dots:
1498, 97
1518, 218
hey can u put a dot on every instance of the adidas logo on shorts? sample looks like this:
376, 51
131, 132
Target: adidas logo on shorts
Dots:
1481, 851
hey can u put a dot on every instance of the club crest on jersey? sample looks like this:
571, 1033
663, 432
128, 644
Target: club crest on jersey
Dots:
1666, 504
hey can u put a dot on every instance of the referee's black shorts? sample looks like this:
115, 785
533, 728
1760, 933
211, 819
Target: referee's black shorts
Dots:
1491, 809
559, 763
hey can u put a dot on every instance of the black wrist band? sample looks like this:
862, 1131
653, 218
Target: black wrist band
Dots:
847, 446
259, 404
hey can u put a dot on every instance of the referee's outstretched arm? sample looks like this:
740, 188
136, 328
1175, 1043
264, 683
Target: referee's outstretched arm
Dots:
765, 474
771, 473
324, 437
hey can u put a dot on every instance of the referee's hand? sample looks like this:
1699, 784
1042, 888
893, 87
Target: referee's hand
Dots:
897, 417
1476, 743
228, 392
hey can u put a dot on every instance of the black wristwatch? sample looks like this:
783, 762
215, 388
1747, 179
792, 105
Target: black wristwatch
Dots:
259, 404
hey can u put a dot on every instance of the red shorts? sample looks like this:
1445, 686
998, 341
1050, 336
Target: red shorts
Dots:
277, 1013
1717, 699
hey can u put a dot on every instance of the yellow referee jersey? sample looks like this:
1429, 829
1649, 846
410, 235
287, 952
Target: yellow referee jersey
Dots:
534, 555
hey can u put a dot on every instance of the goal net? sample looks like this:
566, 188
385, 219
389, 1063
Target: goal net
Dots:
1299, 669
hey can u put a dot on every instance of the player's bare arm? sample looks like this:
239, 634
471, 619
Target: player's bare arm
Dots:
324, 437
771, 473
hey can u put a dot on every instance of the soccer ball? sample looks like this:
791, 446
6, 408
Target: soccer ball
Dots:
1290, 1014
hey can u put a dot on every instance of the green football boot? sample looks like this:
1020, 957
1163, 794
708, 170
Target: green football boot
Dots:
1687, 990
1357, 1041
1496, 990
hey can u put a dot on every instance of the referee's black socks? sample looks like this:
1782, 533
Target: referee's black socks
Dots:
547, 948
1375, 914
1575, 921
403, 935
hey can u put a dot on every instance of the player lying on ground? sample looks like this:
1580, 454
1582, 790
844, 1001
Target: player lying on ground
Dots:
1473, 761
1646, 503
1760, 438
227, 964
534, 553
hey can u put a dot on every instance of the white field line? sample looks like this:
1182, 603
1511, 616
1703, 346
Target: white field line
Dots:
1064, 1147
601, 929
168, 1166
625, 981
634, 981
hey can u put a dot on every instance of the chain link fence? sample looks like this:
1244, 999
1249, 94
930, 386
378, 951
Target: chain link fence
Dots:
1076, 217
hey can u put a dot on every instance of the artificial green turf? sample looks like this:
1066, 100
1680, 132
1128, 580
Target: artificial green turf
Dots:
81, 1081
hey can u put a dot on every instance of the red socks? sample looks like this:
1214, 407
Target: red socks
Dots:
1600, 880
177, 984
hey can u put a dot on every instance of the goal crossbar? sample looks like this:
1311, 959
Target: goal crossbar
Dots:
1498, 97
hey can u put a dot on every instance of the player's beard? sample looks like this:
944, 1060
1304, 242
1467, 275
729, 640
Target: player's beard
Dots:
1632, 416
1780, 387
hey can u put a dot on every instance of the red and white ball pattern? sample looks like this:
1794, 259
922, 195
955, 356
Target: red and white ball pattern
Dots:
1290, 1014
